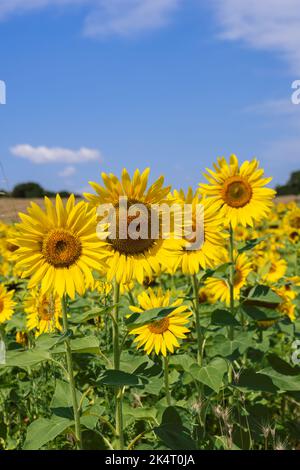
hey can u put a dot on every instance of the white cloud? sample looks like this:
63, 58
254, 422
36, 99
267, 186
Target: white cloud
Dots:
55, 154
120, 17
67, 171
264, 24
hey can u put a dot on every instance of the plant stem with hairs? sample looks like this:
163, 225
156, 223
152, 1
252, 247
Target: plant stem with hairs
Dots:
71, 372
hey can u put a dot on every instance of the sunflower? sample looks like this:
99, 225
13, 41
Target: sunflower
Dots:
7, 304
134, 259
190, 259
291, 224
239, 191
43, 312
59, 247
161, 335
219, 287
271, 267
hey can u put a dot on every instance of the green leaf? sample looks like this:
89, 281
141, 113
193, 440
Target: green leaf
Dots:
222, 346
119, 378
182, 361
61, 403
283, 376
251, 380
172, 432
263, 295
139, 319
250, 244
223, 317
260, 313
43, 430
86, 345
83, 317
24, 359
212, 374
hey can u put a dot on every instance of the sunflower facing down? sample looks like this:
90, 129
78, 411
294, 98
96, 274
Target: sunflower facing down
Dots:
43, 312
59, 247
191, 258
239, 191
161, 335
133, 259
7, 304
219, 287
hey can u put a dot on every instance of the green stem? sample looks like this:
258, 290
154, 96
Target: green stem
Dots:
167, 385
197, 316
231, 276
71, 374
117, 356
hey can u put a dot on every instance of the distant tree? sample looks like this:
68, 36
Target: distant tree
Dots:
292, 186
28, 190
33, 190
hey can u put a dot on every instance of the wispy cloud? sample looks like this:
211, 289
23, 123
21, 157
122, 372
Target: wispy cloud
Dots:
118, 17
264, 24
67, 171
41, 155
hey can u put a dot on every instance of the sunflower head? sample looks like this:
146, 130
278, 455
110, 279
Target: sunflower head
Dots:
58, 247
161, 335
239, 190
7, 304
43, 312
133, 206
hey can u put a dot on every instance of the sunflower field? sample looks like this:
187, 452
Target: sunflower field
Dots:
114, 343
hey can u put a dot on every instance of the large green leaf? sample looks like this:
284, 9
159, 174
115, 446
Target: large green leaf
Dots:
119, 378
43, 430
251, 380
172, 432
212, 374
223, 317
24, 359
262, 294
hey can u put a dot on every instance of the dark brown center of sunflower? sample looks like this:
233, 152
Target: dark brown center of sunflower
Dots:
294, 235
61, 248
46, 309
1, 305
238, 277
295, 222
160, 326
236, 191
132, 229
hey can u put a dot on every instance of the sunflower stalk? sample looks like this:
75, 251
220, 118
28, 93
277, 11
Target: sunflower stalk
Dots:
231, 277
197, 317
71, 372
117, 357
166, 376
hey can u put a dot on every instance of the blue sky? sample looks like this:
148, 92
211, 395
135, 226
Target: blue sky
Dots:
96, 85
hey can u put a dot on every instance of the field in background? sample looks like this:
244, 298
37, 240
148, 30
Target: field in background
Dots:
9, 207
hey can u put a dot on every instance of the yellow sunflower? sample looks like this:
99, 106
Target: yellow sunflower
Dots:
7, 304
190, 259
43, 312
134, 259
271, 267
291, 224
59, 247
239, 191
219, 287
161, 335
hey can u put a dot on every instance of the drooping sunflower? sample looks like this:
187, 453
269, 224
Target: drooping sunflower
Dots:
161, 335
59, 247
205, 222
7, 304
134, 258
219, 287
239, 191
43, 312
